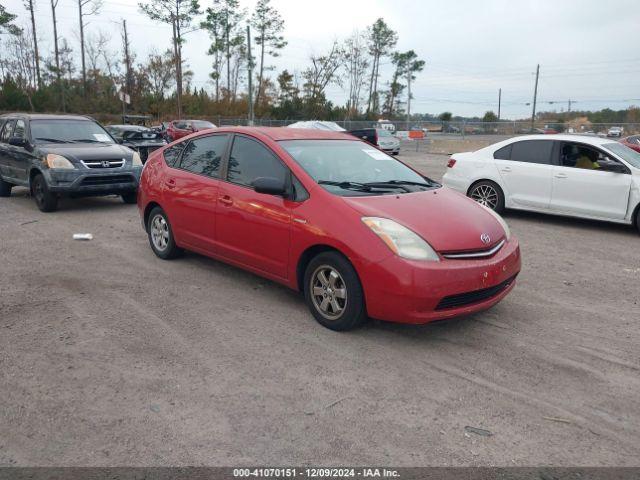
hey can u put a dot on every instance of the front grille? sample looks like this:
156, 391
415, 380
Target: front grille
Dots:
474, 253
462, 299
110, 180
107, 163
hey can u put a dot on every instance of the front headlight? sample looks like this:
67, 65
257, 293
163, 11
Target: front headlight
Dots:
402, 241
136, 161
58, 161
505, 227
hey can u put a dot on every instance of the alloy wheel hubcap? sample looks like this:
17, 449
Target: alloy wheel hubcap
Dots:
159, 232
485, 195
328, 292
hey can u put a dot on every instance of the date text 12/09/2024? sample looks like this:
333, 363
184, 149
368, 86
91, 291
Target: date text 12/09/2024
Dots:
315, 473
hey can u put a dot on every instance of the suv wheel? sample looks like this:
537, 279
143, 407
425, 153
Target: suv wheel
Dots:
45, 200
161, 235
333, 292
5, 188
130, 198
638, 219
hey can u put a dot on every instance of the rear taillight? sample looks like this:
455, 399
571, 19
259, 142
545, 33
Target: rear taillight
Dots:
451, 163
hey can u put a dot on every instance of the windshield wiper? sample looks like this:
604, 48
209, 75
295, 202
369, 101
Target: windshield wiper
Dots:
347, 185
85, 140
52, 140
426, 183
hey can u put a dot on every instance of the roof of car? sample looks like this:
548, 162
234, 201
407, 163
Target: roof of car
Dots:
45, 116
285, 133
566, 137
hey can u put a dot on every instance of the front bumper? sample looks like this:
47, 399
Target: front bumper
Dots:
86, 182
405, 291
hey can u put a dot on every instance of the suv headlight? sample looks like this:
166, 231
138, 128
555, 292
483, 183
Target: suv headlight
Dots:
400, 240
505, 227
53, 160
136, 161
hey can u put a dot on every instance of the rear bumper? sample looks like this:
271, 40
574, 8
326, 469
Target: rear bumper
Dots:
416, 292
87, 183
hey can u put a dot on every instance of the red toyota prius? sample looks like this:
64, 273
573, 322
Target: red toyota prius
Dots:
357, 231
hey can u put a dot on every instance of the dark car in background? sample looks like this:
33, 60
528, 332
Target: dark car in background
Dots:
379, 137
64, 155
143, 140
181, 128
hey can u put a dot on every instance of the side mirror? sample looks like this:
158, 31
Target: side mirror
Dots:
614, 167
269, 186
18, 141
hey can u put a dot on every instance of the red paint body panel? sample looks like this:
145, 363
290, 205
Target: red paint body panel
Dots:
268, 235
632, 145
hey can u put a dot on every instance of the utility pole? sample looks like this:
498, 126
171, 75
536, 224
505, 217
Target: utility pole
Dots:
84, 69
250, 65
569, 106
127, 58
499, 101
409, 73
535, 97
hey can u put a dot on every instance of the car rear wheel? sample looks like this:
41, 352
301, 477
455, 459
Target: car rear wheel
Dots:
638, 219
45, 200
5, 188
130, 198
161, 235
333, 292
489, 194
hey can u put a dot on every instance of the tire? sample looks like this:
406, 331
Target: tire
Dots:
489, 194
327, 274
130, 198
160, 235
5, 188
45, 200
638, 219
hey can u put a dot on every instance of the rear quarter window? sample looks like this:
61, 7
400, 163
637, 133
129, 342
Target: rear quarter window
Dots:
172, 155
503, 153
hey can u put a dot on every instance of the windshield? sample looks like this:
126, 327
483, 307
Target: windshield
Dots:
346, 167
627, 154
68, 131
200, 124
384, 133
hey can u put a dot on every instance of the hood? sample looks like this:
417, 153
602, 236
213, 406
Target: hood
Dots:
87, 151
448, 220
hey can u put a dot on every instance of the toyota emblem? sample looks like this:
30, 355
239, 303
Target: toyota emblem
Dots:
486, 239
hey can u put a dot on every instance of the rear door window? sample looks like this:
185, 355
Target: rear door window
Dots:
532, 151
503, 153
250, 159
203, 156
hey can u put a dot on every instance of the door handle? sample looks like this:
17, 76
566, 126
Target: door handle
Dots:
561, 175
505, 169
171, 183
226, 200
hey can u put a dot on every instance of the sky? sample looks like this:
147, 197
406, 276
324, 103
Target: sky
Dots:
587, 49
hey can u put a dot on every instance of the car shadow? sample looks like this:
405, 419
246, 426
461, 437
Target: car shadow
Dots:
65, 204
574, 222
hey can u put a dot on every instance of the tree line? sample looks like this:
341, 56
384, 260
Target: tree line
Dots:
90, 75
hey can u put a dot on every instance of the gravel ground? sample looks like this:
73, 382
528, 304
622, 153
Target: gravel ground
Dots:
110, 356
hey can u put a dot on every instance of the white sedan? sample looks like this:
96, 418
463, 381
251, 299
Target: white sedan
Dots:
572, 175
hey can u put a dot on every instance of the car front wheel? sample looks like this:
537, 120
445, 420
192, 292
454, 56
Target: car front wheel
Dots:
333, 292
489, 194
130, 198
45, 200
161, 235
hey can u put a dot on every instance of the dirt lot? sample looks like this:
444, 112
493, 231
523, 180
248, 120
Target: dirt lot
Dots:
110, 356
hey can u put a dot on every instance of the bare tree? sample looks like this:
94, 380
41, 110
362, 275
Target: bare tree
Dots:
180, 15
19, 62
86, 8
30, 5
321, 74
356, 64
